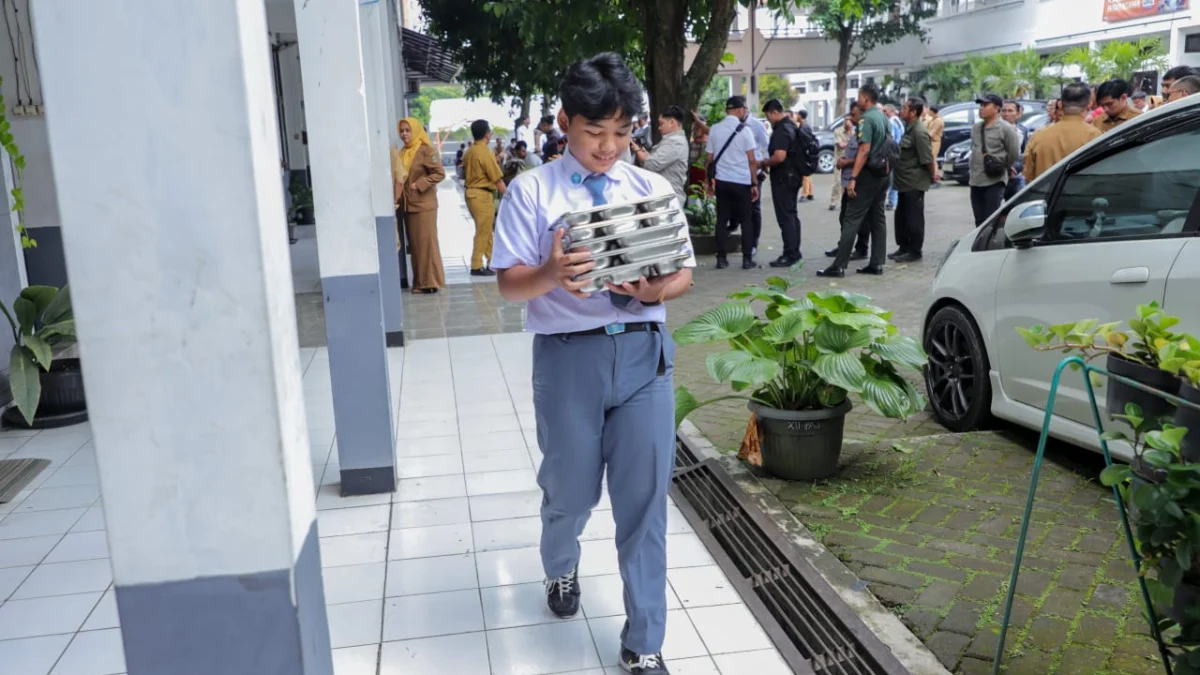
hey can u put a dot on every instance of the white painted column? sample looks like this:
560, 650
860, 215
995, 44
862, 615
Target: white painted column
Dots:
339, 145
372, 18
176, 247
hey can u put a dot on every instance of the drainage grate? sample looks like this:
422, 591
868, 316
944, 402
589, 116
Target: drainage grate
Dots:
815, 631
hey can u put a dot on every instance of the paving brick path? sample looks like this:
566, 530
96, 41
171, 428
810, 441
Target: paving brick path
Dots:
929, 520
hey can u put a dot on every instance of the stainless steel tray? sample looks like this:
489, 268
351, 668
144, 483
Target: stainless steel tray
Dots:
640, 236
642, 252
648, 204
604, 228
665, 264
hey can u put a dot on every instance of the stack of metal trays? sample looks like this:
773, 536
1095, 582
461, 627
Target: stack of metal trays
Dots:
643, 238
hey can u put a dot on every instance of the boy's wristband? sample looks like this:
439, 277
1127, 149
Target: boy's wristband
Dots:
657, 302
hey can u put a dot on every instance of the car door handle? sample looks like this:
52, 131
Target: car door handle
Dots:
1131, 275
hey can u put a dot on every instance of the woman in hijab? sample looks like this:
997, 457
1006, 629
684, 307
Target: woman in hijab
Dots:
416, 171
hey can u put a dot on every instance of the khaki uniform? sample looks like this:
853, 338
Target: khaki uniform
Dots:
481, 173
1105, 123
1051, 144
936, 127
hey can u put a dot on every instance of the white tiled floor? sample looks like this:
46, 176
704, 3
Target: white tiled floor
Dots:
441, 577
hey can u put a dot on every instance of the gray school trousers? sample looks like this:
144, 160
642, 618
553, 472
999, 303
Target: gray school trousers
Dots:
605, 406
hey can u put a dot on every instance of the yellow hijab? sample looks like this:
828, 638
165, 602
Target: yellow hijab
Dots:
419, 137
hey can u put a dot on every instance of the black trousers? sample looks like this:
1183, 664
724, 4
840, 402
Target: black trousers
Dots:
863, 241
734, 205
985, 200
865, 210
910, 221
784, 191
756, 214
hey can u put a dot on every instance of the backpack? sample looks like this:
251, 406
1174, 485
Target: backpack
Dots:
804, 152
883, 160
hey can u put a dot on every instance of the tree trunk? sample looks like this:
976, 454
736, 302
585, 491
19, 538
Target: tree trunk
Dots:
842, 70
666, 40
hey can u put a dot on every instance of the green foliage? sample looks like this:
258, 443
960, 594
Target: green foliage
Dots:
943, 82
1149, 334
9, 144
701, 212
805, 353
777, 86
1166, 523
41, 319
418, 106
1117, 58
1019, 74
712, 101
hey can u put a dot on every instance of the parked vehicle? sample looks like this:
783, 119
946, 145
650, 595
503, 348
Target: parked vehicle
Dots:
1111, 227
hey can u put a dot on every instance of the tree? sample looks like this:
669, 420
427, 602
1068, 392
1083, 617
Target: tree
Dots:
1117, 58
712, 101
1019, 74
947, 80
777, 86
859, 26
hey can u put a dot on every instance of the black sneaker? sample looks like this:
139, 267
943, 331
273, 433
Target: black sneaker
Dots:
784, 261
749, 264
722, 262
563, 593
639, 664
483, 272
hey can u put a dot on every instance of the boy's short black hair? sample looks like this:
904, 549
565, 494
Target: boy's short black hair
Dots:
871, 91
803, 114
546, 119
774, 105
480, 129
521, 145
1115, 88
673, 112
600, 88
933, 108
1180, 72
549, 148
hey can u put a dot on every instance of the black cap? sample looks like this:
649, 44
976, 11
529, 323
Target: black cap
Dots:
735, 102
990, 98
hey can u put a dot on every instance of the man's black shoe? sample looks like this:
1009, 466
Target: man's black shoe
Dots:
722, 262
833, 207
893, 254
563, 593
810, 198
483, 272
858, 255
907, 257
733, 227
784, 261
871, 269
831, 253
639, 664
836, 272
749, 264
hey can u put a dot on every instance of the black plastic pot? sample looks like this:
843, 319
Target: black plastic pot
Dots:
1120, 393
62, 402
1190, 418
1187, 595
801, 444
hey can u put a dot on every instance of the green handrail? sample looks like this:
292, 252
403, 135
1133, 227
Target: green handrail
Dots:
1037, 468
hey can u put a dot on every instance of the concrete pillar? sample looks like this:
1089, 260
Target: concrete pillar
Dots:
176, 243
382, 127
339, 146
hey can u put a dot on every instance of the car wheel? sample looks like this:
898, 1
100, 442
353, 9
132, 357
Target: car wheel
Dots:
956, 377
825, 161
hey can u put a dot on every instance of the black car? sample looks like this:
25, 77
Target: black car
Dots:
956, 159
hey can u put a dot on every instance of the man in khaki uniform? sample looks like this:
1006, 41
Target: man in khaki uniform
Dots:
937, 127
1054, 142
483, 179
1113, 96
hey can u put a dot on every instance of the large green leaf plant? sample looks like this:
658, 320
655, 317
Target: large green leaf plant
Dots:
805, 353
41, 319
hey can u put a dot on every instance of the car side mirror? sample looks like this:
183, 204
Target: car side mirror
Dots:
1025, 223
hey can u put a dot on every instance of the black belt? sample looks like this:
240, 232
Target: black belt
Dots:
618, 328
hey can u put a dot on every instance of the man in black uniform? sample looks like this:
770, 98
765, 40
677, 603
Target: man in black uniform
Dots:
785, 181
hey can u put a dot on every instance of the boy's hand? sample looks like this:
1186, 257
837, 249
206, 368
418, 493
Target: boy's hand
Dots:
645, 290
561, 266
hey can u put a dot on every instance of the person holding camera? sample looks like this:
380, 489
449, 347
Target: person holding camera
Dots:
995, 148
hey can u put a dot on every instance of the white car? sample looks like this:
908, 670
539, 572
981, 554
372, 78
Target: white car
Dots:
1114, 225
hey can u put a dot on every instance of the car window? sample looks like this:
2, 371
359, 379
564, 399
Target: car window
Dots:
1143, 190
957, 118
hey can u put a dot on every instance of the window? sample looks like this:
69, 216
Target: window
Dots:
957, 119
1144, 190
802, 88
853, 83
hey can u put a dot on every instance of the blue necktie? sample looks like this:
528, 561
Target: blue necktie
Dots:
595, 184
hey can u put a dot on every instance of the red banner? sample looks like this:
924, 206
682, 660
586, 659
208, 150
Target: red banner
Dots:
1123, 10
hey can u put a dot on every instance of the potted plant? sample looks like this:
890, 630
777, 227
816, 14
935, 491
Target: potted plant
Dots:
1132, 354
796, 365
1165, 517
1182, 358
301, 212
47, 391
701, 213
